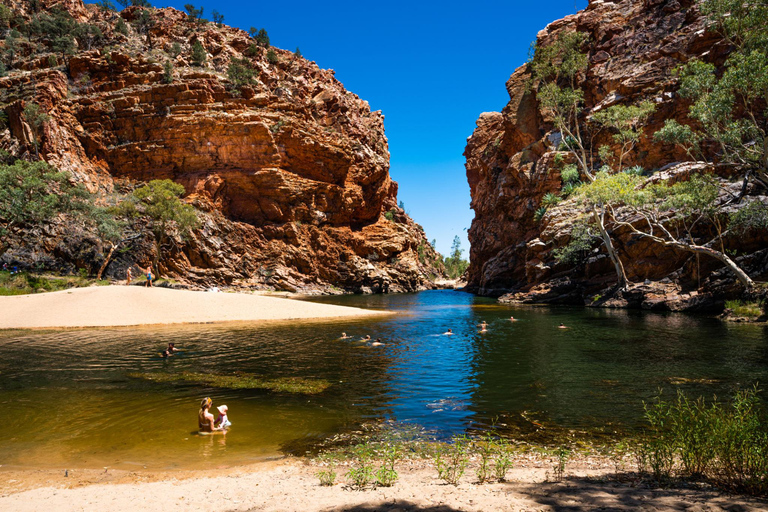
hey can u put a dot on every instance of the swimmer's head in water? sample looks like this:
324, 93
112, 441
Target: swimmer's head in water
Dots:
206, 402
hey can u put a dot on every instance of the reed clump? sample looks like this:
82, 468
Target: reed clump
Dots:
692, 438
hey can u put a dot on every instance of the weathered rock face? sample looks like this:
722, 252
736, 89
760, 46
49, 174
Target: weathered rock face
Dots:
511, 164
292, 171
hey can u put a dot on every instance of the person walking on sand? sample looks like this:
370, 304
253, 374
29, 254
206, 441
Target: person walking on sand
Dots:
149, 277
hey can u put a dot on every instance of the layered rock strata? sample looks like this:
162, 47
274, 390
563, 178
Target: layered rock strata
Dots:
290, 172
512, 162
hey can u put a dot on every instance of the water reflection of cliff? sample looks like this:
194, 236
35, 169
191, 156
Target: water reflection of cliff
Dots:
596, 373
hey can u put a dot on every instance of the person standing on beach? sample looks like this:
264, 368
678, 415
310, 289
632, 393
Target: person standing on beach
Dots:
149, 276
128, 277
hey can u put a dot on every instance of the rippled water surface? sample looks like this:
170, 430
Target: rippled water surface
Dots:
68, 402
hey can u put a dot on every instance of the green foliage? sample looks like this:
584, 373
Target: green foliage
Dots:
121, 27
144, 22
386, 475
106, 5
562, 59
261, 37
625, 121
746, 309
218, 18
328, 476
193, 12
141, 3
362, 472
272, 56
33, 192
451, 460
160, 201
297, 53
88, 35
563, 454
241, 73
36, 118
390, 216
455, 265
175, 50
750, 218
168, 72
728, 444
198, 55
728, 106
569, 174
24, 283
549, 200
579, 246
57, 28
252, 50
538, 215
5, 16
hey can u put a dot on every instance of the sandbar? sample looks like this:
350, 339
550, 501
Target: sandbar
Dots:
114, 306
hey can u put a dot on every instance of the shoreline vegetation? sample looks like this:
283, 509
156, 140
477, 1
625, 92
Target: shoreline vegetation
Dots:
694, 453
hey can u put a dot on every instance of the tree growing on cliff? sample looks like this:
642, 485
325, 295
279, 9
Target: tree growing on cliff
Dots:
240, 73
218, 18
198, 55
160, 201
625, 121
677, 215
729, 107
33, 192
35, 118
555, 70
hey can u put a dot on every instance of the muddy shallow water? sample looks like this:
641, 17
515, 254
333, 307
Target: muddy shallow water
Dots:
68, 400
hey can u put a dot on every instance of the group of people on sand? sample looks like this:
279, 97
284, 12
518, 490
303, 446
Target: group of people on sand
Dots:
365, 339
148, 273
205, 421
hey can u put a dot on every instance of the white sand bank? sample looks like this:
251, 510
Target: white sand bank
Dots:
107, 306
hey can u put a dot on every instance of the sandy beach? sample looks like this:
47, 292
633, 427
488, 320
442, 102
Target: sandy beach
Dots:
292, 485
112, 306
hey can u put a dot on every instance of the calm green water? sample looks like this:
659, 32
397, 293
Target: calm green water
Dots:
67, 401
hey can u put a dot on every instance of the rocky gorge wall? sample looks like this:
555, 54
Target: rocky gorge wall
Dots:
290, 173
511, 161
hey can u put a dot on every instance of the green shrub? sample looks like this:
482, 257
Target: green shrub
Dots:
175, 50
386, 475
451, 460
198, 54
390, 215
502, 459
549, 200
538, 215
121, 27
240, 73
361, 473
168, 72
569, 174
563, 454
272, 57
748, 309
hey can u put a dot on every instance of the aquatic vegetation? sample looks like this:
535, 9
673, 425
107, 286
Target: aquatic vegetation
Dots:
239, 381
747, 309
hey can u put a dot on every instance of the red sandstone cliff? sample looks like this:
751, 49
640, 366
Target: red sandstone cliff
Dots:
633, 47
291, 173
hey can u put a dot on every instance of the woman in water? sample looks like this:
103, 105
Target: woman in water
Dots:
204, 418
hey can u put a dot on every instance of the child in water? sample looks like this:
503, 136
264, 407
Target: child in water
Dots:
222, 422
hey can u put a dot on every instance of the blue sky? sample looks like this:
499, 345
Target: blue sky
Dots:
431, 67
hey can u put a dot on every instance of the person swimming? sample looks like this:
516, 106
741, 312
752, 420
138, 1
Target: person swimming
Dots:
377, 343
366, 338
562, 326
344, 336
449, 332
483, 326
169, 351
512, 319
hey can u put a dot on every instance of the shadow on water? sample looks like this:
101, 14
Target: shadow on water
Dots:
72, 402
